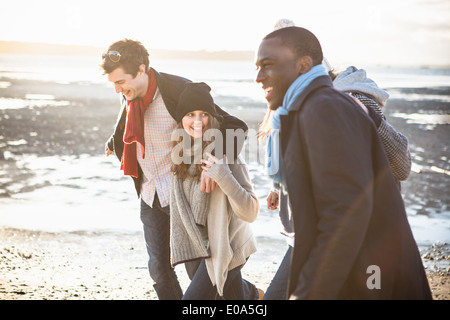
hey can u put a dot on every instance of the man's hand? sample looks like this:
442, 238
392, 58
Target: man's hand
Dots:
272, 200
107, 151
207, 184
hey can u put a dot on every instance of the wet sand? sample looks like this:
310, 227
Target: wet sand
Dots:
104, 266
92, 265
95, 266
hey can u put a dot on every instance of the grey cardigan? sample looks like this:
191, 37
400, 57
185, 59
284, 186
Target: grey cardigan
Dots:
232, 206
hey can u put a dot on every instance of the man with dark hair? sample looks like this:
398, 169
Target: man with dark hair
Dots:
352, 237
142, 142
128, 54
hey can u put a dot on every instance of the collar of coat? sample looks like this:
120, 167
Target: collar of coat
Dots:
319, 82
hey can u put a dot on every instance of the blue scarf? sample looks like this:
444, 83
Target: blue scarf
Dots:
273, 160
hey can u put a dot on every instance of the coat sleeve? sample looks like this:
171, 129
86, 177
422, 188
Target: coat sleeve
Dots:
119, 128
239, 130
236, 185
397, 150
171, 87
337, 140
230, 121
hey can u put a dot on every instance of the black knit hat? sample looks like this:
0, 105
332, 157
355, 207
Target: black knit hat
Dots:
196, 96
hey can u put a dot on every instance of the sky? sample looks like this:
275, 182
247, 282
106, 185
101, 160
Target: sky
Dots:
410, 32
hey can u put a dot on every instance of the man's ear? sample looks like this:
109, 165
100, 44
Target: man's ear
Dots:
142, 69
304, 64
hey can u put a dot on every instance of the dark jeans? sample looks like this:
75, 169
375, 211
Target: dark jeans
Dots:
201, 287
277, 289
156, 222
156, 233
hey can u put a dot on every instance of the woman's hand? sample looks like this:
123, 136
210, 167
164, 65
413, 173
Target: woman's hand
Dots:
359, 103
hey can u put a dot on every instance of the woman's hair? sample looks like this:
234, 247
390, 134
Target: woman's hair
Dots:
132, 55
181, 170
264, 126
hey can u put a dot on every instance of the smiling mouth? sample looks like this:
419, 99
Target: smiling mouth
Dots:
197, 126
268, 93
196, 132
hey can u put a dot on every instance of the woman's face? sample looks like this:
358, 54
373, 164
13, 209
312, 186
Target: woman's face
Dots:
195, 122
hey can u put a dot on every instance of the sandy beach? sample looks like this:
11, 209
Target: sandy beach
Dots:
82, 265
100, 266
50, 266
79, 265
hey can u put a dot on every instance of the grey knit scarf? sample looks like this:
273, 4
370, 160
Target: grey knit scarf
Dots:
188, 208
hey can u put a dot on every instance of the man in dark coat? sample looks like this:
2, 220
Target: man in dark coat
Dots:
352, 236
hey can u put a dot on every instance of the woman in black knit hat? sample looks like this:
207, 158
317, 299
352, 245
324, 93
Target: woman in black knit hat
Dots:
210, 228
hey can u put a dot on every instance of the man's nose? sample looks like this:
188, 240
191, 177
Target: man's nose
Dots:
260, 76
118, 88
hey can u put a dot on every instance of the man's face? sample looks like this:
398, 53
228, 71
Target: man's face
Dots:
277, 68
131, 88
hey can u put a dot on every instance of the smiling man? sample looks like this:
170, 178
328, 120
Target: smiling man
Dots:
142, 142
352, 237
130, 87
278, 69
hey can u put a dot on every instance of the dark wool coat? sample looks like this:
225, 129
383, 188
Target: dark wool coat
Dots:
349, 216
170, 87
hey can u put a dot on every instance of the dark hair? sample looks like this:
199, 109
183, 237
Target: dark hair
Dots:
132, 55
332, 73
303, 42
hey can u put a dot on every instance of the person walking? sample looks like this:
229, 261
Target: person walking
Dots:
142, 142
352, 237
212, 229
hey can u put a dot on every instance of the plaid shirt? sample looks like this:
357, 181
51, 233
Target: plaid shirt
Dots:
158, 128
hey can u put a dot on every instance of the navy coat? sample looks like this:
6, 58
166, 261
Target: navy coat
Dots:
352, 236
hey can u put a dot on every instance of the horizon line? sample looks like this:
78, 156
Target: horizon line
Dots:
59, 49
43, 48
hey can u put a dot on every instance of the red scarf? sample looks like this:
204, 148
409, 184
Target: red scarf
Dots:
134, 128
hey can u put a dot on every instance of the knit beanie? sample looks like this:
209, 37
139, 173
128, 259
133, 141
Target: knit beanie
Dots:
196, 96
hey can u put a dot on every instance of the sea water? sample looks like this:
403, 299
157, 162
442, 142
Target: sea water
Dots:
85, 192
